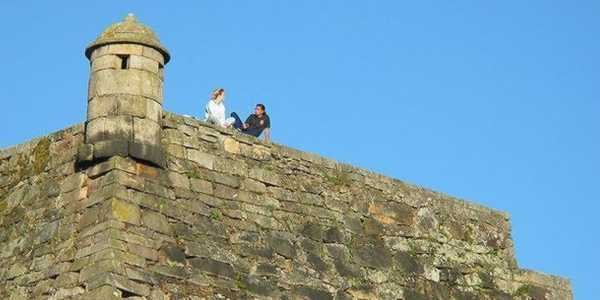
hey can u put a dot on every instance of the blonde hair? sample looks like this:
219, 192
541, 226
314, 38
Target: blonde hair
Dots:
216, 93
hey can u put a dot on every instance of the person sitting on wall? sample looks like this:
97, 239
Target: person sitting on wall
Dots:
256, 123
214, 111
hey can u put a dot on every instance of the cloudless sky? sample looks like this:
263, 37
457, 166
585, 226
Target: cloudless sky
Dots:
496, 102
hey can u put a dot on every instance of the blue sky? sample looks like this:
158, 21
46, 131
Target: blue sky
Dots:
496, 102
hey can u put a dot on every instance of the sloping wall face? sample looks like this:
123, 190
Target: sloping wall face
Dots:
39, 211
232, 217
293, 223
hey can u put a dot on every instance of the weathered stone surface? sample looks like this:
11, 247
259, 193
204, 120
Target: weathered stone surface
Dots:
201, 186
125, 211
231, 145
172, 255
109, 148
282, 245
147, 152
106, 62
202, 159
213, 267
312, 293
146, 131
143, 63
132, 82
265, 176
157, 222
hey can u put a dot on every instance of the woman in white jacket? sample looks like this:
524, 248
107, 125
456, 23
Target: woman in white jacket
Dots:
215, 109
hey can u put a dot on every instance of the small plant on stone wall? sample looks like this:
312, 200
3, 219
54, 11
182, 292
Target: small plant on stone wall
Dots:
215, 215
194, 174
522, 291
339, 178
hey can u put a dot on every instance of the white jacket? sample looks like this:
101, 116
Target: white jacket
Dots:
215, 113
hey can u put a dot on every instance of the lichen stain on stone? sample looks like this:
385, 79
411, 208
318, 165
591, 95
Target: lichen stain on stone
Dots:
231, 145
125, 212
40, 156
389, 213
339, 179
3, 206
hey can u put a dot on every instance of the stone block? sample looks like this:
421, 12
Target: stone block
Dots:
131, 82
254, 186
102, 106
261, 286
156, 222
106, 62
265, 176
282, 245
99, 52
85, 152
172, 255
125, 211
372, 252
231, 145
174, 150
157, 294
94, 131
176, 272
203, 159
313, 231
228, 180
109, 148
99, 268
143, 63
152, 54
118, 128
69, 279
179, 180
89, 217
68, 293
121, 283
104, 292
130, 49
146, 131
72, 182
231, 166
201, 186
142, 276
130, 105
143, 251
225, 192
307, 292
392, 212
212, 266
334, 235
147, 152
153, 110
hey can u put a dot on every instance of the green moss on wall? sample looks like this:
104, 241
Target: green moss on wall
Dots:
339, 178
40, 156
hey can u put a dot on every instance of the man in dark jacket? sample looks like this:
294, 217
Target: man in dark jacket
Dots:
256, 122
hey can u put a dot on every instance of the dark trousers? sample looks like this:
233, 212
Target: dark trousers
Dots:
238, 124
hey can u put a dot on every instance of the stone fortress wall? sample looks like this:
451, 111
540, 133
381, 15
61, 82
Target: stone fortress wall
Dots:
233, 217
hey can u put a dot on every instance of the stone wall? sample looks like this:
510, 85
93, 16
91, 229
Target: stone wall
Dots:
232, 217
39, 217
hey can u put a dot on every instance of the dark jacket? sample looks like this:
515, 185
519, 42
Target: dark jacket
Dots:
256, 125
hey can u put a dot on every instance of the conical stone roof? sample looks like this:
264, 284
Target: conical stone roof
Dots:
128, 31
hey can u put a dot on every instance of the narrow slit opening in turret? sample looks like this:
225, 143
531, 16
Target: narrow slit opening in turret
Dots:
124, 61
